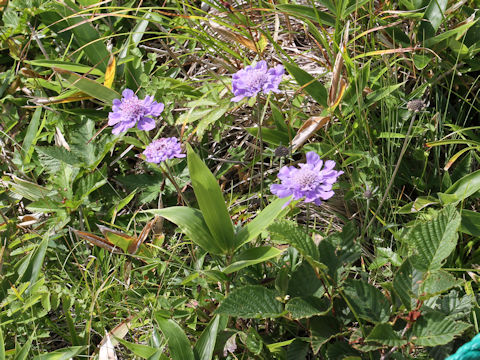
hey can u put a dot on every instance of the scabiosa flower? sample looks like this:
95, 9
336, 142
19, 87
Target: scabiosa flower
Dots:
310, 181
250, 81
130, 110
162, 149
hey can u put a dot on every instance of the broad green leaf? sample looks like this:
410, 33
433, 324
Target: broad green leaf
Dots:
90, 87
2, 346
406, 283
62, 354
367, 301
254, 341
262, 220
64, 65
312, 86
379, 94
30, 135
24, 350
432, 18
385, 335
211, 202
323, 329
178, 344
35, 264
305, 282
296, 236
464, 188
191, 223
85, 36
435, 239
271, 136
308, 12
457, 32
27, 189
143, 351
298, 349
308, 306
437, 282
433, 329
251, 257
203, 349
470, 223
251, 301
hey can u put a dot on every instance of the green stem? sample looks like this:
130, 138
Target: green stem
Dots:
168, 173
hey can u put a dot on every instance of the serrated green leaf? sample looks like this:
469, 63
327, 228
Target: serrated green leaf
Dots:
437, 282
305, 282
251, 257
296, 236
369, 303
211, 202
384, 334
435, 239
322, 330
308, 306
251, 301
178, 344
406, 283
433, 329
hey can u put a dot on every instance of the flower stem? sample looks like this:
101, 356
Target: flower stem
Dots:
169, 174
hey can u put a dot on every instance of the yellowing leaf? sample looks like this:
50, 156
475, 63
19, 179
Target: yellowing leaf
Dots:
110, 72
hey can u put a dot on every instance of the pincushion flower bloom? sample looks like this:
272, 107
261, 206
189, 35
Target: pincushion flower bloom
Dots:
310, 182
162, 149
250, 81
130, 111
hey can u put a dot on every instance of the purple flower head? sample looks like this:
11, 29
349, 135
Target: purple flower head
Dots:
310, 181
130, 110
162, 149
250, 81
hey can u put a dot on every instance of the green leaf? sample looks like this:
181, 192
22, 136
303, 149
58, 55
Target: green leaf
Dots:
435, 239
84, 34
177, 341
205, 344
437, 282
432, 18
308, 306
254, 341
385, 335
262, 220
211, 202
30, 135
406, 283
251, 301
89, 86
308, 12
24, 350
64, 65
379, 94
35, 263
433, 329
314, 88
470, 223
2, 346
143, 351
464, 188
251, 257
271, 136
62, 354
191, 223
323, 329
305, 282
298, 349
296, 236
367, 301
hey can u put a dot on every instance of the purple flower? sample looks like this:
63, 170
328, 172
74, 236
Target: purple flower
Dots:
162, 149
309, 181
130, 110
250, 81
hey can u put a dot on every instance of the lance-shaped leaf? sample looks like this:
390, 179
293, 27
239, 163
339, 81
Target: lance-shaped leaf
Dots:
211, 202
